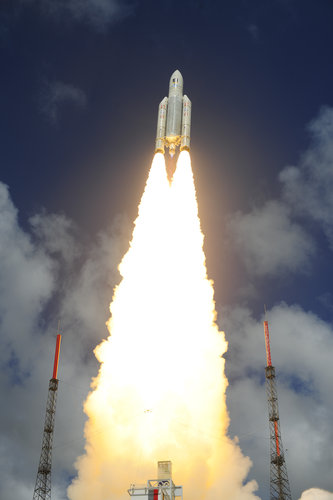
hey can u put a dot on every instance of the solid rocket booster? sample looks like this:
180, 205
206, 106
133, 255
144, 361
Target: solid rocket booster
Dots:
174, 118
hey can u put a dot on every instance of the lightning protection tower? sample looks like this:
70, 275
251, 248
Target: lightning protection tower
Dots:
43, 481
279, 482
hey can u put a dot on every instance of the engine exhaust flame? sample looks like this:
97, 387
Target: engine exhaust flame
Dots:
160, 391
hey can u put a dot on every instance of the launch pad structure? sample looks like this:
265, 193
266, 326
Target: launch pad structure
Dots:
42, 489
279, 482
162, 488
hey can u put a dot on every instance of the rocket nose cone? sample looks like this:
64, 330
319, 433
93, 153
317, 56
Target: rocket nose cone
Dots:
176, 76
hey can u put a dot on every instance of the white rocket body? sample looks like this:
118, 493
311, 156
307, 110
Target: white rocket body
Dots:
174, 118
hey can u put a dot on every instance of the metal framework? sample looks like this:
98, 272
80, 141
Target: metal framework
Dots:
279, 482
42, 489
162, 488
157, 489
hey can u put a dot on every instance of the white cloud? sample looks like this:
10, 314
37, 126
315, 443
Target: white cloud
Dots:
316, 494
58, 94
99, 14
36, 291
270, 242
273, 238
308, 187
302, 347
85, 303
26, 276
277, 237
56, 234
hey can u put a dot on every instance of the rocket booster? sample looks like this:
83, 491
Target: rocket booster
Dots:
174, 118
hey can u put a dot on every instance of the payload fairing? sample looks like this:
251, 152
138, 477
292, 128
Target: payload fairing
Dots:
174, 118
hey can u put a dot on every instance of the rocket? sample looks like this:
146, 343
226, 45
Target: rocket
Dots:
174, 118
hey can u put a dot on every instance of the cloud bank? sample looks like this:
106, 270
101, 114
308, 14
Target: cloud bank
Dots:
274, 239
307, 187
46, 275
302, 344
270, 242
279, 236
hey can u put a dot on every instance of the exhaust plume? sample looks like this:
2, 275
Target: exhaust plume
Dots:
160, 390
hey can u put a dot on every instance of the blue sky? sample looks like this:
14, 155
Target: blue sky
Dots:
79, 90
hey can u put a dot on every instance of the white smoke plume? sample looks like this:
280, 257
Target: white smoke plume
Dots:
160, 392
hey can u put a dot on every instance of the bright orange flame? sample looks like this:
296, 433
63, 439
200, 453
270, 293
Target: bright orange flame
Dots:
160, 391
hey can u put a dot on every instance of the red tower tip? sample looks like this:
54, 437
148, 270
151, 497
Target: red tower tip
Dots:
268, 349
56, 356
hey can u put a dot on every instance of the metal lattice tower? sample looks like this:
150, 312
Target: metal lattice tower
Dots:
279, 482
42, 489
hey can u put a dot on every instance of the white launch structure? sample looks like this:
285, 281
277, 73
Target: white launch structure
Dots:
161, 488
174, 118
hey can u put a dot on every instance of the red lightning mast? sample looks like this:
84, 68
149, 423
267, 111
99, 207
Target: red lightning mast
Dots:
42, 489
279, 482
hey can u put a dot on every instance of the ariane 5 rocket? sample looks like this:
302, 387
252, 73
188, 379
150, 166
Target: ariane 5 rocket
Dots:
174, 118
